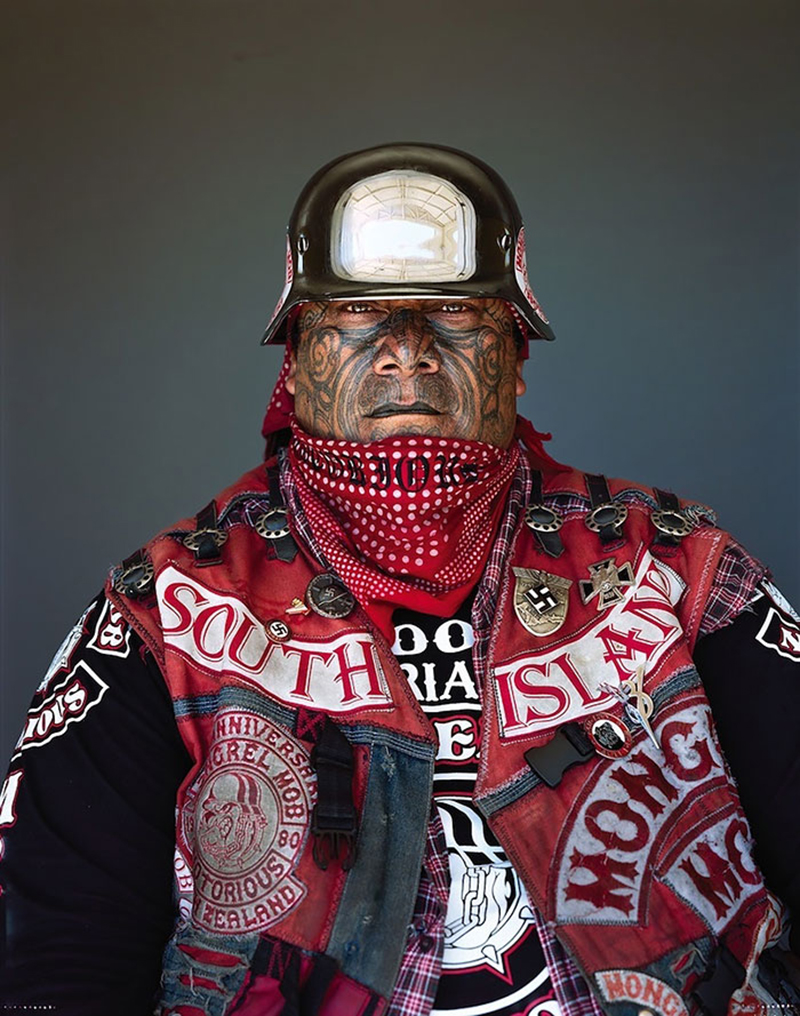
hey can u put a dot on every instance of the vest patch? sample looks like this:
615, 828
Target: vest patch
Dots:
645, 990
220, 635
716, 872
643, 803
245, 822
68, 702
537, 692
112, 636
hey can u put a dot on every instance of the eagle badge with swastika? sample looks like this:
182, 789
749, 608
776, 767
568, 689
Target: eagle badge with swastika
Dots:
540, 600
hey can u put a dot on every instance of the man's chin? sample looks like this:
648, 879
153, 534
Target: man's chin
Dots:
408, 425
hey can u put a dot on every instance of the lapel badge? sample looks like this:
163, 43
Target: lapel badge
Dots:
540, 600
607, 582
297, 606
277, 630
609, 735
329, 596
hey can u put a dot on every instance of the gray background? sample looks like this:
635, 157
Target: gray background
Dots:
152, 153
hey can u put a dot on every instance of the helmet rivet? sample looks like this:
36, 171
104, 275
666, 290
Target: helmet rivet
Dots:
302, 243
504, 242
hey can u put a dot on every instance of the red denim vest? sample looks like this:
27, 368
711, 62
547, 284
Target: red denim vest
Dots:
641, 863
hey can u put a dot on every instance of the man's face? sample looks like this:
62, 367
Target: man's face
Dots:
369, 369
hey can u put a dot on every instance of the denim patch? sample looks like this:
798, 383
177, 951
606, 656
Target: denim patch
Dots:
205, 970
369, 933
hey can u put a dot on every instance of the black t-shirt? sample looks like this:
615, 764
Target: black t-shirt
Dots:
493, 962
87, 812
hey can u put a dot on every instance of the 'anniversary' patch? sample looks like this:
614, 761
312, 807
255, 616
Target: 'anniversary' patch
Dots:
246, 822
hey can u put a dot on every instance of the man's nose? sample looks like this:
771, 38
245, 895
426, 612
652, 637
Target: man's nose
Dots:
407, 346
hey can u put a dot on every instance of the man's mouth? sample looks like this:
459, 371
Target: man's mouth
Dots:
395, 409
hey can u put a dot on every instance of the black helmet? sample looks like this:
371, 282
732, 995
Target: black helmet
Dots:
406, 221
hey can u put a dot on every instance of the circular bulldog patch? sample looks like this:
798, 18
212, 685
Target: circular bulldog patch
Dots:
246, 821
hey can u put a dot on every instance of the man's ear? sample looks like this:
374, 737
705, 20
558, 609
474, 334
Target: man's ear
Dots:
521, 386
292, 375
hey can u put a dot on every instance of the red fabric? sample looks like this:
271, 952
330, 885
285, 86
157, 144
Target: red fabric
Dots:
406, 521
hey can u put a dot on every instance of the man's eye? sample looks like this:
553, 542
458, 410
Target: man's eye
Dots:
454, 308
361, 308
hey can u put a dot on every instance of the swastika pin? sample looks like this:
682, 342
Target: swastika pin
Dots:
540, 600
277, 630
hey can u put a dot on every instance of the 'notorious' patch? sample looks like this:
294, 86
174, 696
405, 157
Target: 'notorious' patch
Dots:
246, 822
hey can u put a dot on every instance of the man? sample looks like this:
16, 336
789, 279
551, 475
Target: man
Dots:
409, 719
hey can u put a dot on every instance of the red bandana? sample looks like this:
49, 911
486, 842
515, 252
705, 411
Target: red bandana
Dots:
406, 521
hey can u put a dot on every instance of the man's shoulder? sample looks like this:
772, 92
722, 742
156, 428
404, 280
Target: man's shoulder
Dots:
582, 490
201, 535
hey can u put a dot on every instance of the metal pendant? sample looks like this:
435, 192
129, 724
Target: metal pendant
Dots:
540, 600
609, 735
671, 522
330, 597
638, 705
607, 582
273, 524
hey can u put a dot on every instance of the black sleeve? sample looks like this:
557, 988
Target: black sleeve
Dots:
751, 673
87, 821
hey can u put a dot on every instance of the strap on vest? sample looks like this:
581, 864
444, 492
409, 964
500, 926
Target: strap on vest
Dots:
273, 525
207, 539
726, 974
607, 515
569, 746
280, 961
669, 520
333, 819
544, 521
134, 577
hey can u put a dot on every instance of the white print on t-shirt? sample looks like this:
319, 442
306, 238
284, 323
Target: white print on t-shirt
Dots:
780, 600
64, 652
489, 919
112, 636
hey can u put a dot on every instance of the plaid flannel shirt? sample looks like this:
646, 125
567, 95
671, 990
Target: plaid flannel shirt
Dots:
734, 586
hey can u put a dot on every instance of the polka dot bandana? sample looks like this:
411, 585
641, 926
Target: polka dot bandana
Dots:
405, 521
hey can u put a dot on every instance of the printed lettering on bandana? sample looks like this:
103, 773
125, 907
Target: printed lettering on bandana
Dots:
68, 702
112, 634
538, 692
246, 821
221, 636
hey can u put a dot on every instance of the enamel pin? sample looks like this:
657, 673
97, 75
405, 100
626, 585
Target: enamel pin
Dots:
277, 630
607, 582
608, 734
540, 600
